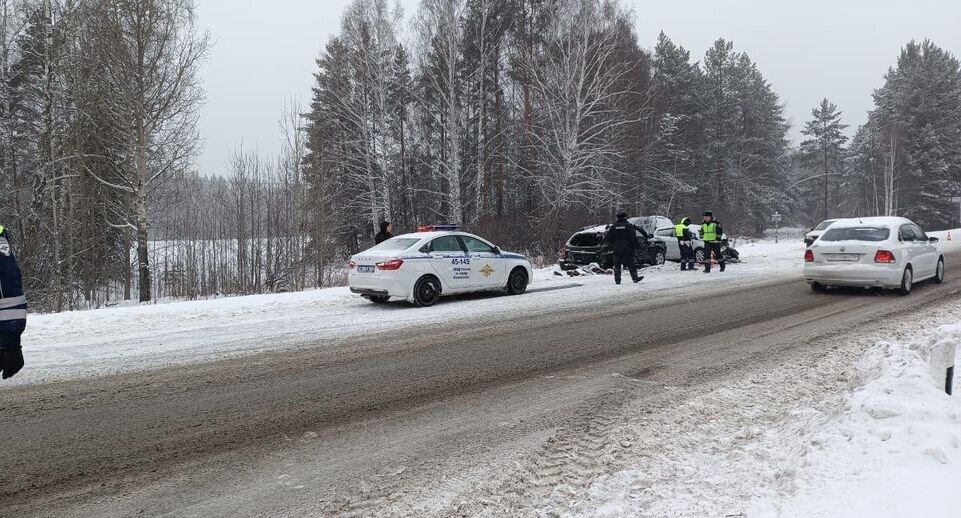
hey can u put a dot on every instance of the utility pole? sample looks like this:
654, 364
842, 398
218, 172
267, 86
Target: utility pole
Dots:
777, 225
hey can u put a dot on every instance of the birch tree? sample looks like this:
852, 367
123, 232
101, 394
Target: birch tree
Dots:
575, 89
486, 25
439, 36
149, 52
369, 32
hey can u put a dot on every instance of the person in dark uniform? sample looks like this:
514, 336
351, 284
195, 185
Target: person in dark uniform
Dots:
682, 231
13, 308
384, 234
711, 233
622, 238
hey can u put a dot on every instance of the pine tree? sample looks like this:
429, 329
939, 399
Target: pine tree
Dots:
746, 145
908, 154
677, 151
823, 152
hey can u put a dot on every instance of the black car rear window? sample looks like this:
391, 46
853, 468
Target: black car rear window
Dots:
856, 234
587, 239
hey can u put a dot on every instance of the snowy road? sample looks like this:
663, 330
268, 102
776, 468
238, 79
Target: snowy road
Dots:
85, 343
490, 415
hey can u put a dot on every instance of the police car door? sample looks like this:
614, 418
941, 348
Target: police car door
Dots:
488, 269
450, 262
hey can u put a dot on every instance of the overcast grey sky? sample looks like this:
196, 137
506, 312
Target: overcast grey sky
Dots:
264, 53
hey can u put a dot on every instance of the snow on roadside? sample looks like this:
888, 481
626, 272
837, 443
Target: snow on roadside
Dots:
895, 450
853, 429
104, 341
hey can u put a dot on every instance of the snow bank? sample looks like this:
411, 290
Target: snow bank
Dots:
104, 341
896, 449
845, 429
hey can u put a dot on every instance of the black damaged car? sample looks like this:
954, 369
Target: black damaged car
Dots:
589, 245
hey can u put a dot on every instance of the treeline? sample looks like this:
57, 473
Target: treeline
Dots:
905, 160
98, 104
521, 119
526, 118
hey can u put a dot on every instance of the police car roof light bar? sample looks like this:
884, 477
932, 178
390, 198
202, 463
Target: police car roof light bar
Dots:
438, 228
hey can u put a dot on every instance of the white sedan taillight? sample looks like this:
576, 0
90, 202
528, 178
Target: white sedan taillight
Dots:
884, 256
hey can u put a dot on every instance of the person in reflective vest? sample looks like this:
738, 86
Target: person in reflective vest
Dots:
682, 231
13, 308
711, 233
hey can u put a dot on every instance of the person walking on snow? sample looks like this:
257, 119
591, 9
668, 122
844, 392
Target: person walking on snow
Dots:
711, 233
13, 308
622, 238
384, 234
682, 231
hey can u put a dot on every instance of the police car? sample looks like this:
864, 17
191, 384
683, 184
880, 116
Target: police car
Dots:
434, 261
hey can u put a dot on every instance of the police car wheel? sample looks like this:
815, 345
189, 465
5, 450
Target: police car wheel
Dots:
699, 256
426, 291
517, 282
939, 272
379, 299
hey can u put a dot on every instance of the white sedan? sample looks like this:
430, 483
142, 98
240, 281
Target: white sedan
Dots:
673, 248
873, 253
423, 266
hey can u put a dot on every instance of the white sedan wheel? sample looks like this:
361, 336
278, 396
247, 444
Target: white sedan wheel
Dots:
907, 282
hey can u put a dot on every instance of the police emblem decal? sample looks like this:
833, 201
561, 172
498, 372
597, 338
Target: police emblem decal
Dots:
487, 270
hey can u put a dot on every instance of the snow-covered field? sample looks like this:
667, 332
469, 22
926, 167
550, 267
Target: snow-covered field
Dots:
104, 341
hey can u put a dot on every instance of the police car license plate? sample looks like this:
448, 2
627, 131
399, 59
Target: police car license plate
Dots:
365, 269
843, 258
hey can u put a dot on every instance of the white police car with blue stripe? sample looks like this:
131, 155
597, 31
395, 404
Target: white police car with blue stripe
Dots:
435, 261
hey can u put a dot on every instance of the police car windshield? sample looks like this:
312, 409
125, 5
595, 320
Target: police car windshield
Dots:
396, 244
856, 234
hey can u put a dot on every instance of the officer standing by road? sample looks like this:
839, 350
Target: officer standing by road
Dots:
622, 238
13, 308
711, 233
682, 231
386, 232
